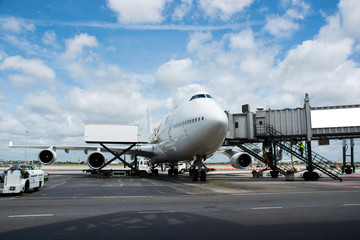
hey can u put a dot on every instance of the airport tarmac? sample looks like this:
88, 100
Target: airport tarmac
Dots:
230, 205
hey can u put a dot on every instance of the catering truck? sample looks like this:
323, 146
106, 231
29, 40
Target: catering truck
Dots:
21, 178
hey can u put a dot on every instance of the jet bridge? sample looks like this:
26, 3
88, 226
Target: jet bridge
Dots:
288, 128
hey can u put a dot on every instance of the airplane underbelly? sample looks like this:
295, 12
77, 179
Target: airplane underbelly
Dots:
186, 147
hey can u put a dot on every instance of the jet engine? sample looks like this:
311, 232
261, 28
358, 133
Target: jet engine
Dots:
47, 156
240, 160
96, 160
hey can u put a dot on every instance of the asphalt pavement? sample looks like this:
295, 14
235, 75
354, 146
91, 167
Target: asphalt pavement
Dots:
229, 205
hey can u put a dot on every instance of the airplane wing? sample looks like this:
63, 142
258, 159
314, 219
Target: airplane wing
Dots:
138, 150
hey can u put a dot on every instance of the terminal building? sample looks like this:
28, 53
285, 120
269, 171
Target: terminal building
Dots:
293, 130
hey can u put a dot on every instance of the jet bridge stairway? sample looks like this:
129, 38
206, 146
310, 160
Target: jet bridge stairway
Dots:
253, 149
318, 162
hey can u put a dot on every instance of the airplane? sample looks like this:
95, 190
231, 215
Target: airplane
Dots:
192, 131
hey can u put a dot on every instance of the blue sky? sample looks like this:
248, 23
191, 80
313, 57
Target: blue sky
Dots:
66, 63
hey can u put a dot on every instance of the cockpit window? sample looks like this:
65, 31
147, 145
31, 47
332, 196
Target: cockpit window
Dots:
200, 96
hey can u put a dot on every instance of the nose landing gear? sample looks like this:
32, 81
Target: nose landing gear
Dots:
198, 169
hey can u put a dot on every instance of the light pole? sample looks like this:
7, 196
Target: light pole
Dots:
27, 132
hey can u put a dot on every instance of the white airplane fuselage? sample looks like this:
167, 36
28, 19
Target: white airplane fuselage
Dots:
196, 128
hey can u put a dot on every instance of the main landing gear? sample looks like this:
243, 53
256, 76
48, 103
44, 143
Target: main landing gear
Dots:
198, 169
172, 170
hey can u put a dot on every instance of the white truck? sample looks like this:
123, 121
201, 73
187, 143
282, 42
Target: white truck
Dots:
19, 179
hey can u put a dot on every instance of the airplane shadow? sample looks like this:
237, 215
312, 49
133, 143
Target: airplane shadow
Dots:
179, 225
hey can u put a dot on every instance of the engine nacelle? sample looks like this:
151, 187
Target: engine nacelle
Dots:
96, 160
47, 156
240, 160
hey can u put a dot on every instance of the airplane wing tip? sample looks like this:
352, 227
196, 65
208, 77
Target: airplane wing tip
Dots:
10, 144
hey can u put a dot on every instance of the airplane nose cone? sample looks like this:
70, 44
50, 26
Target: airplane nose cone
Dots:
218, 123
216, 129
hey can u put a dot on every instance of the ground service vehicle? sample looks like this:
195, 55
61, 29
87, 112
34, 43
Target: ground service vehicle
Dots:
18, 179
142, 169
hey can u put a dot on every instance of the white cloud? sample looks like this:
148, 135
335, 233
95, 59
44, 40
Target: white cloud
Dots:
175, 73
350, 10
138, 11
284, 26
42, 102
31, 71
202, 47
225, 8
49, 38
16, 25
243, 41
182, 9
280, 26
322, 66
75, 46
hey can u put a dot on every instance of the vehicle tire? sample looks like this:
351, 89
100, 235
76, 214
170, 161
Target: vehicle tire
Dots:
348, 170
314, 176
182, 171
274, 174
306, 176
170, 172
155, 172
27, 186
106, 174
176, 172
143, 174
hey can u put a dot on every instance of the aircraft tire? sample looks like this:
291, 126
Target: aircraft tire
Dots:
203, 176
195, 175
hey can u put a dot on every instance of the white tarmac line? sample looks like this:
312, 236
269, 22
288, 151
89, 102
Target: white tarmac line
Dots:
352, 204
31, 215
147, 212
262, 208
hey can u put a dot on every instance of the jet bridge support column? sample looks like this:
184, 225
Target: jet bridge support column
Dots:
310, 174
309, 166
352, 154
346, 168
